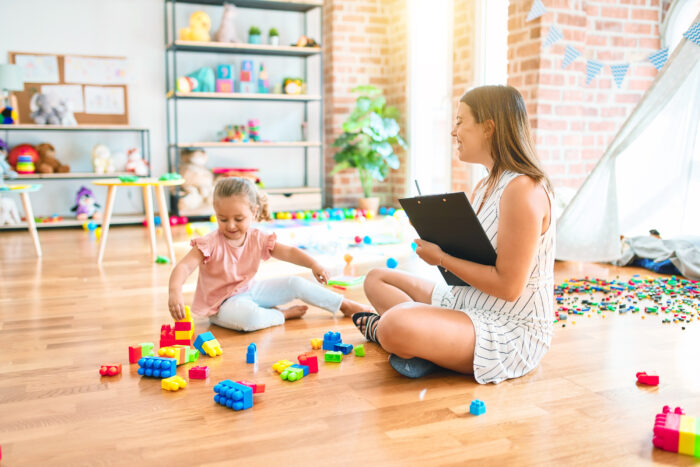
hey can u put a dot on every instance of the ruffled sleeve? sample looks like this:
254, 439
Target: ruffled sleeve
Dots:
267, 244
204, 244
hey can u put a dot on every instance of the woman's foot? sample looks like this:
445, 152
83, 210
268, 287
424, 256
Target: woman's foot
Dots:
411, 367
367, 324
294, 312
349, 307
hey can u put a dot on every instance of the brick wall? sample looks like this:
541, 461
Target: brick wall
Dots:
573, 122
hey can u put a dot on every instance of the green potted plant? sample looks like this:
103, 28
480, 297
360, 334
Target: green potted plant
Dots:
273, 37
367, 143
254, 35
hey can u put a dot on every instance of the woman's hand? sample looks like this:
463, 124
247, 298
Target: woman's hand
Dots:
429, 252
176, 305
320, 273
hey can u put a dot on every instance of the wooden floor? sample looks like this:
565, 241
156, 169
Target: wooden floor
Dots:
62, 316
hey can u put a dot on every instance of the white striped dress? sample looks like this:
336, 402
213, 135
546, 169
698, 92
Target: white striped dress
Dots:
511, 337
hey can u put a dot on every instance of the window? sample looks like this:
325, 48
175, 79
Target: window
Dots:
679, 18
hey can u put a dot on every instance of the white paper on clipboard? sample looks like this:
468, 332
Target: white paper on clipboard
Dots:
93, 70
38, 68
104, 100
72, 93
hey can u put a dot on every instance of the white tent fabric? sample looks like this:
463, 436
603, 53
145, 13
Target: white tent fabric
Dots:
649, 177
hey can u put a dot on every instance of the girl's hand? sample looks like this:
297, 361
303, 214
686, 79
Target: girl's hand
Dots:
429, 252
320, 273
176, 305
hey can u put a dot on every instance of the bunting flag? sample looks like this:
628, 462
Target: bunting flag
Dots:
536, 10
658, 59
570, 54
553, 36
593, 67
619, 72
693, 34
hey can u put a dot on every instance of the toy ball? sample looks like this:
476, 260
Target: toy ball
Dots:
91, 226
212, 218
358, 239
314, 215
301, 215
382, 211
188, 229
367, 240
414, 246
391, 263
348, 258
390, 211
22, 150
156, 220
369, 215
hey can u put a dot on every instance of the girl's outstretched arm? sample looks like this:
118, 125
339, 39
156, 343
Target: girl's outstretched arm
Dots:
183, 269
294, 255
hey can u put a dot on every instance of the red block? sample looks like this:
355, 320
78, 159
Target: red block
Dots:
134, 353
199, 372
649, 380
257, 388
167, 336
666, 426
111, 369
183, 325
310, 360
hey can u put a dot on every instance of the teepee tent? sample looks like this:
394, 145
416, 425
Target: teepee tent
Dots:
649, 177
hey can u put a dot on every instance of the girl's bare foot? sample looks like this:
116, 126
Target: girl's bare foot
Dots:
349, 308
294, 312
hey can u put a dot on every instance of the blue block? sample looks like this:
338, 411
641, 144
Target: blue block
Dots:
252, 354
343, 348
303, 367
233, 395
477, 407
330, 339
157, 367
201, 339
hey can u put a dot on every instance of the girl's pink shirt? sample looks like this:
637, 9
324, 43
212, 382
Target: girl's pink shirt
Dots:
227, 270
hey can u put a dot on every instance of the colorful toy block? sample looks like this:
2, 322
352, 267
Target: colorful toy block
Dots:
252, 355
316, 343
167, 336
233, 395
173, 383
330, 339
199, 372
207, 344
477, 407
157, 367
360, 350
649, 380
332, 356
280, 365
172, 352
224, 85
142, 350
111, 369
310, 360
256, 387
184, 329
343, 348
192, 355
292, 374
677, 432
224, 72
304, 368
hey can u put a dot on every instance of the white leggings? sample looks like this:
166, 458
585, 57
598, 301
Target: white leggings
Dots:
252, 310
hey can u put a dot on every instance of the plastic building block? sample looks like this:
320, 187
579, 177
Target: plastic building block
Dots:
649, 380
310, 360
292, 373
147, 349
173, 383
157, 367
192, 355
252, 354
360, 350
199, 372
304, 368
212, 348
477, 407
256, 387
167, 336
162, 259
280, 365
316, 343
332, 356
343, 348
224, 85
184, 329
677, 432
233, 395
330, 339
134, 353
111, 369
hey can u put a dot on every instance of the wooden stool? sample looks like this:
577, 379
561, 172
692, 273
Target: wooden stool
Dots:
145, 184
23, 191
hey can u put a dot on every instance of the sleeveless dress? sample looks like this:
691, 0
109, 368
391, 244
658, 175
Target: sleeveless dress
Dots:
511, 337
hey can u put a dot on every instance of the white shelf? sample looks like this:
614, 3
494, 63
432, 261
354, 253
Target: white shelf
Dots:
71, 222
71, 175
272, 144
243, 48
284, 5
244, 96
31, 127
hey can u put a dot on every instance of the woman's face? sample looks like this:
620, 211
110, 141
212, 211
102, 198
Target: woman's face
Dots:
473, 139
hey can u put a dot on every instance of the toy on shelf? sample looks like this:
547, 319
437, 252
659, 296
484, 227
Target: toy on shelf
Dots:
186, 84
250, 173
157, 367
5, 168
263, 81
305, 41
170, 176
102, 161
134, 179
199, 372
47, 160
234, 134
30, 156
224, 78
643, 377
477, 407
254, 130
174, 383
178, 220
199, 27
254, 36
111, 369
677, 432
199, 181
207, 344
252, 354
203, 80
135, 163
245, 81
9, 116
25, 166
233, 395
85, 205
47, 109
141, 350
293, 86
227, 29
273, 37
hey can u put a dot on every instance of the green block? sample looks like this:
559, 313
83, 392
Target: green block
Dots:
170, 176
128, 178
191, 355
162, 260
332, 356
147, 349
292, 374
360, 350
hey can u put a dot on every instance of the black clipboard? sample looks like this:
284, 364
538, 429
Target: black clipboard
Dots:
449, 221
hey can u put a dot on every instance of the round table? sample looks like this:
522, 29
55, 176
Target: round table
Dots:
23, 191
145, 184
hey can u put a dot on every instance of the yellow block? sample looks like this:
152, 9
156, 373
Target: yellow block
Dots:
280, 365
316, 343
686, 438
188, 315
212, 348
181, 335
173, 383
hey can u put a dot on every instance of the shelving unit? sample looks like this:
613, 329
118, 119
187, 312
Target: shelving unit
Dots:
309, 194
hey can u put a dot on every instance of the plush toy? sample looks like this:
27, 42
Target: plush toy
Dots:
227, 30
135, 163
85, 205
204, 80
9, 116
200, 23
186, 84
47, 162
5, 169
102, 160
199, 181
8, 212
50, 110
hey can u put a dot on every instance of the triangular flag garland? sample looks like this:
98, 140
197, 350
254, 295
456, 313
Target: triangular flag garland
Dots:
693, 34
553, 35
593, 67
658, 59
570, 54
536, 10
619, 72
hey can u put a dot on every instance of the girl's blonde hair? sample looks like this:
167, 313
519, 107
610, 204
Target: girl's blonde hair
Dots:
236, 186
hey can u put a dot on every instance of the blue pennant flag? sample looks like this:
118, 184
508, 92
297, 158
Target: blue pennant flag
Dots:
693, 34
658, 59
570, 54
619, 72
536, 10
553, 36
593, 67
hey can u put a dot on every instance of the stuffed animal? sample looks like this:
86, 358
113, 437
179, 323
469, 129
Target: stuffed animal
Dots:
9, 116
8, 212
203, 80
50, 110
102, 160
85, 205
5, 168
47, 162
227, 30
135, 163
199, 181
200, 24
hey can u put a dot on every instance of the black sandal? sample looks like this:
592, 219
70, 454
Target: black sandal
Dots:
369, 321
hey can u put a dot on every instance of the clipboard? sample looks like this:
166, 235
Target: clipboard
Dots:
449, 221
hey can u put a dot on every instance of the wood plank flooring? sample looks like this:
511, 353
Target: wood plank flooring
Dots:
62, 316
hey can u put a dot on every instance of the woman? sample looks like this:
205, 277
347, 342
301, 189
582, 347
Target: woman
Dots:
499, 326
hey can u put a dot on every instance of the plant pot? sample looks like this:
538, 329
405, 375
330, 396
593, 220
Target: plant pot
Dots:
274, 40
369, 204
254, 39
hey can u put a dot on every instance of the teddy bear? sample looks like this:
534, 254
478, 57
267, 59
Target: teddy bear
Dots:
198, 30
102, 160
47, 162
135, 163
199, 181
